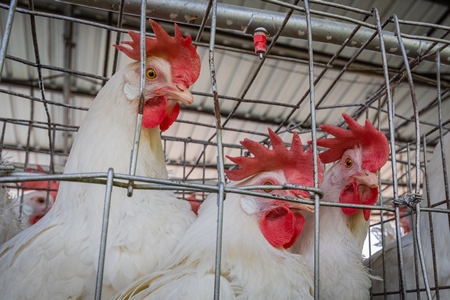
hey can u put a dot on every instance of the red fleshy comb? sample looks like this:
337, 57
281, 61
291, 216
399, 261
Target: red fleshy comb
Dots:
41, 185
374, 144
179, 51
296, 164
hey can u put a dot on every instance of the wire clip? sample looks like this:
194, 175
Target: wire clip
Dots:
409, 199
260, 41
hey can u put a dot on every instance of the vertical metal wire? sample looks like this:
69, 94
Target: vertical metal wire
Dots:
41, 85
68, 47
104, 234
413, 228
220, 162
7, 33
441, 138
430, 215
417, 128
390, 105
119, 25
137, 130
314, 137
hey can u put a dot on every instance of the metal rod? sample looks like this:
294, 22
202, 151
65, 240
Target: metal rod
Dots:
220, 164
417, 128
137, 131
412, 221
314, 138
430, 216
104, 235
7, 33
390, 104
247, 19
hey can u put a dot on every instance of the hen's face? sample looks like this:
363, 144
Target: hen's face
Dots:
356, 185
280, 221
162, 94
35, 206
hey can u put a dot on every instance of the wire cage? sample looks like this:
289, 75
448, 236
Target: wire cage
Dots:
389, 64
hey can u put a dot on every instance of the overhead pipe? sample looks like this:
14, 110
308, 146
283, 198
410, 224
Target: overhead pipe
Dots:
246, 20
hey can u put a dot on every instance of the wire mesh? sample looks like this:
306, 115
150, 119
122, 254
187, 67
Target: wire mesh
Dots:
389, 64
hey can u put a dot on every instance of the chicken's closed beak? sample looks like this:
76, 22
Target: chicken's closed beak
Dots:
369, 179
180, 94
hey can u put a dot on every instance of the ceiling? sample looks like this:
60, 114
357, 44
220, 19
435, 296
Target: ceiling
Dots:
73, 46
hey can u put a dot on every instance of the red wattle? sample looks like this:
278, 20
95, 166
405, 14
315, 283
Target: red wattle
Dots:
154, 112
349, 195
172, 111
280, 226
35, 219
369, 199
299, 223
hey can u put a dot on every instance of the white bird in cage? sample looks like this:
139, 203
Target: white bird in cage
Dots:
360, 152
19, 213
441, 242
58, 257
255, 262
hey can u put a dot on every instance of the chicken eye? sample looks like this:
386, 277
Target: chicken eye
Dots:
41, 200
268, 190
348, 163
150, 73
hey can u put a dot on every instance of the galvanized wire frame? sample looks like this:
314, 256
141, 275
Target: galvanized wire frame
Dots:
369, 35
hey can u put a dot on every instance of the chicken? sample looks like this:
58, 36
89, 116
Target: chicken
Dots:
21, 212
57, 258
256, 232
360, 152
35, 198
441, 241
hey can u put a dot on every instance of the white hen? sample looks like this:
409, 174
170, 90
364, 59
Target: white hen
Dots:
360, 152
57, 258
256, 231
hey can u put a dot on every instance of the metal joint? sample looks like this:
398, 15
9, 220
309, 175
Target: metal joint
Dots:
410, 199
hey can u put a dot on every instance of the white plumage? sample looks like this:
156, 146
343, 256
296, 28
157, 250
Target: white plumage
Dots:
251, 267
257, 231
57, 257
342, 275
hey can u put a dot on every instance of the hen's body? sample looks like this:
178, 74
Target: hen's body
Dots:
251, 268
342, 275
359, 153
57, 258
256, 231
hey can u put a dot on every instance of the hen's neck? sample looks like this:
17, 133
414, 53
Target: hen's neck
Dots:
106, 136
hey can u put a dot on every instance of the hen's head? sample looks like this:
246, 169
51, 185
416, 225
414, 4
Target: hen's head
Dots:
280, 221
360, 152
52, 186
35, 206
172, 66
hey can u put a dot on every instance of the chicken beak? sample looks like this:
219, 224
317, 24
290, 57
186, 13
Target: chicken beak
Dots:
180, 94
369, 179
301, 206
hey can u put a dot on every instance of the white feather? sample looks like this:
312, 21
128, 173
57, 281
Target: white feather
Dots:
57, 258
250, 269
341, 272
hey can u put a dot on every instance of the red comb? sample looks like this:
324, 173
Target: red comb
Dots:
41, 185
179, 51
296, 164
374, 144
